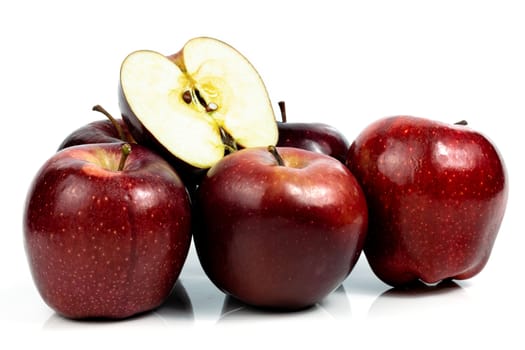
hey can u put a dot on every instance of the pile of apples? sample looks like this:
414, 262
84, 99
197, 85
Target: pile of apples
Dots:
279, 212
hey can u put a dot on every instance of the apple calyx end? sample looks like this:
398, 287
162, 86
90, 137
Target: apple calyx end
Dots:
125, 151
273, 150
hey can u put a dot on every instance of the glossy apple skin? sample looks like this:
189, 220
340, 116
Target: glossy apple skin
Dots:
103, 243
315, 137
279, 236
437, 194
100, 131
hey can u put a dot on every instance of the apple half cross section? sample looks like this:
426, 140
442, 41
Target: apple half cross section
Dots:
196, 103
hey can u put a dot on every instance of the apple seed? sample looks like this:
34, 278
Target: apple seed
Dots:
186, 96
211, 107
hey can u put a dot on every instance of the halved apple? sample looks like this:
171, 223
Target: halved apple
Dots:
197, 103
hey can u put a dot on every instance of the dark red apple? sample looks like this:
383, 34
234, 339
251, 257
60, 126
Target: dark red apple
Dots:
110, 130
279, 232
103, 241
437, 195
315, 137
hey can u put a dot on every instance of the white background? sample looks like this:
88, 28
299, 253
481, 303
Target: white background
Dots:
343, 63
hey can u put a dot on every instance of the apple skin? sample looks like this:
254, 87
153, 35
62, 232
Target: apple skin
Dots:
436, 193
275, 236
315, 137
100, 131
103, 243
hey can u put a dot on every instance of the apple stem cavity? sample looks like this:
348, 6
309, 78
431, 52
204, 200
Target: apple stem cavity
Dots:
273, 150
126, 150
116, 125
282, 107
461, 122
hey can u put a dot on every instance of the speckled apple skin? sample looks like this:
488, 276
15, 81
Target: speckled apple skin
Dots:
279, 236
102, 243
437, 194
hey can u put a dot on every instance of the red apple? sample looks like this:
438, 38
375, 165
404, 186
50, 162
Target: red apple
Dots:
110, 130
315, 137
279, 232
106, 238
437, 195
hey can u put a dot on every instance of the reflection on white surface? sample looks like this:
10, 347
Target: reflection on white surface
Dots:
335, 306
419, 300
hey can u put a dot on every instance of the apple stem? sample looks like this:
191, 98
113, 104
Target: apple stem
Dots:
282, 107
273, 150
461, 122
116, 125
126, 150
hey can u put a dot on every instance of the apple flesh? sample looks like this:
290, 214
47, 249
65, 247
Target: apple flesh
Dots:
197, 104
279, 233
110, 130
103, 242
437, 194
315, 137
